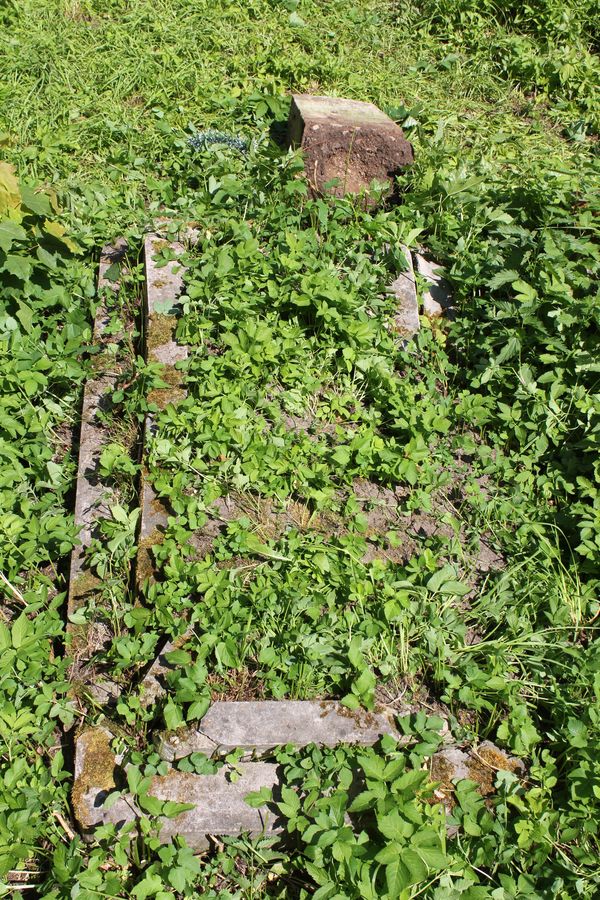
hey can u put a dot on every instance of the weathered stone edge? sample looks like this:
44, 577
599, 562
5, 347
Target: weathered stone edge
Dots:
163, 287
92, 496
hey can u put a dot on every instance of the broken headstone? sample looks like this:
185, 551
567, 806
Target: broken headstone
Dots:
404, 289
347, 144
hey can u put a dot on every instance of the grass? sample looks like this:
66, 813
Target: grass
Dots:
488, 427
91, 89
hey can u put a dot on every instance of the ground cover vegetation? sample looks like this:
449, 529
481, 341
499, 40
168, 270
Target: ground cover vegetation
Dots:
411, 523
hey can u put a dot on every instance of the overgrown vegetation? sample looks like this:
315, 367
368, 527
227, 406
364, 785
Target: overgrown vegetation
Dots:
419, 521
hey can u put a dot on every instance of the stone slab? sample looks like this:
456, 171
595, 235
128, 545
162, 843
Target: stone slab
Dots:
93, 497
349, 141
437, 297
404, 289
261, 725
164, 285
219, 806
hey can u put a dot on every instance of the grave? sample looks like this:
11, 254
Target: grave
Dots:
253, 727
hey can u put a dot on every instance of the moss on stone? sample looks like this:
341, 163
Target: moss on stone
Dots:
144, 570
85, 583
161, 330
97, 772
442, 774
162, 397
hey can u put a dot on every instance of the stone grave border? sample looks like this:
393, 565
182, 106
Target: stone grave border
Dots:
93, 495
252, 726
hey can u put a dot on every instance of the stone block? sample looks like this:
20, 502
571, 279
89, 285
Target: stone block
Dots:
404, 289
261, 725
164, 285
437, 296
348, 141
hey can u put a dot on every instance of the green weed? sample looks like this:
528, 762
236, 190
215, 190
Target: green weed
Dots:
298, 397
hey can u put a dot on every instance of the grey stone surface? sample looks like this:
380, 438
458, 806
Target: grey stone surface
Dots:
104, 691
164, 285
92, 496
260, 725
437, 297
404, 288
347, 140
218, 800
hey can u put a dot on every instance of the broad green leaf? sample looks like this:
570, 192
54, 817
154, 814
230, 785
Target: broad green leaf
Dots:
173, 717
19, 266
36, 202
9, 232
5, 637
10, 194
394, 827
397, 877
351, 701
198, 709
59, 232
178, 657
20, 631
389, 853
259, 798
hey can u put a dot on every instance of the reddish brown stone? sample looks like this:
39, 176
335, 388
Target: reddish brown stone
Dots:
348, 141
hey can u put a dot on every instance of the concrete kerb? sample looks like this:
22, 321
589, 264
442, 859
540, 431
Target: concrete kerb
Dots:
93, 496
164, 285
258, 726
